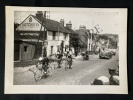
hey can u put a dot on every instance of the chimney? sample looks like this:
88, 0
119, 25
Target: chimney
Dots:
82, 27
39, 15
62, 22
69, 25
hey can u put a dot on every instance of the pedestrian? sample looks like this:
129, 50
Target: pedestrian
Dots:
76, 53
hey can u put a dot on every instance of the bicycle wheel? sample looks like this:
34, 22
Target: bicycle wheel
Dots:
55, 64
66, 65
49, 72
62, 63
38, 75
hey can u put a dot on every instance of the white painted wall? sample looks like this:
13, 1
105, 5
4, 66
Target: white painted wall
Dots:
56, 42
49, 35
34, 25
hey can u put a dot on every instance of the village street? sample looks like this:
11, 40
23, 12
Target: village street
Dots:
83, 72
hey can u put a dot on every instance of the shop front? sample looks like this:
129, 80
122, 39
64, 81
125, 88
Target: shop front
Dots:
28, 40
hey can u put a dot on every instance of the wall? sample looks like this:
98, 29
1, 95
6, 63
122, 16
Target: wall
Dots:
28, 55
56, 42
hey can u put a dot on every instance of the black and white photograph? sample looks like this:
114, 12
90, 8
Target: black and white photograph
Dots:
67, 47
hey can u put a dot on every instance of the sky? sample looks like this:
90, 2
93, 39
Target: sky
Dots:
107, 21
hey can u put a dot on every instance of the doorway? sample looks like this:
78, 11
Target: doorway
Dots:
51, 49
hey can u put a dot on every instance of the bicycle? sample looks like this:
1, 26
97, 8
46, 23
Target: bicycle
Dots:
41, 71
68, 63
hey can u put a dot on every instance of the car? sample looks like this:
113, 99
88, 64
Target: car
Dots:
112, 52
105, 55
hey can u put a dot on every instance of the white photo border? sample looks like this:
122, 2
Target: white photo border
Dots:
64, 89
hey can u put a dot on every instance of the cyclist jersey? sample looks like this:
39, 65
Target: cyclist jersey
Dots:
45, 61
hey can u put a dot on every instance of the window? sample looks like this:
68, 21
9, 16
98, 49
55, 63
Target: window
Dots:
58, 48
54, 34
66, 47
51, 49
30, 19
65, 36
25, 49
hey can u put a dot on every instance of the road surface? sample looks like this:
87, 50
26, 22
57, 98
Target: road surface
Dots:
83, 73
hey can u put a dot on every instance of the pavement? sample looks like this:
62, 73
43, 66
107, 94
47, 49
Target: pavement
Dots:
83, 72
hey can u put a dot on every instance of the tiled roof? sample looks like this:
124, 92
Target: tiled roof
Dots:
53, 25
82, 31
73, 33
71, 30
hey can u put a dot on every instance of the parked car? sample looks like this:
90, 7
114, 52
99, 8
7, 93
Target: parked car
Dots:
113, 52
105, 55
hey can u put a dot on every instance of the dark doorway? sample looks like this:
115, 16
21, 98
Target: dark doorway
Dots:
16, 51
51, 49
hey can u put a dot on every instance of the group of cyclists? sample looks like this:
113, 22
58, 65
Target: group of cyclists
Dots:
61, 58
44, 62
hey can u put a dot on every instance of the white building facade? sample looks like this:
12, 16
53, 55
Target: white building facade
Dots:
54, 40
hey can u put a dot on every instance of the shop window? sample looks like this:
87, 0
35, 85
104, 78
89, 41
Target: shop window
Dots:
25, 49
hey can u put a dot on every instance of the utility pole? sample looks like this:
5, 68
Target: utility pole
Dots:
44, 46
91, 31
43, 32
90, 44
88, 37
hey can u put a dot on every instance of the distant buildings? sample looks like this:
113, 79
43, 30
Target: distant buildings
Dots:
74, 38
84, 38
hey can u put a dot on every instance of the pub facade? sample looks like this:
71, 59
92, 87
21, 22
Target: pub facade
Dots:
32, 37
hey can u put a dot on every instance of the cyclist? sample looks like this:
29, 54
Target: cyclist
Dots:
59, 57
45, 66
69, 59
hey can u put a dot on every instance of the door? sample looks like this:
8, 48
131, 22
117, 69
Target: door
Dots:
27, 51
16, 51
51, 49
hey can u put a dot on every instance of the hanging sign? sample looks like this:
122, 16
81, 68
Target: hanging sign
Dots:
30, 24
29, 34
